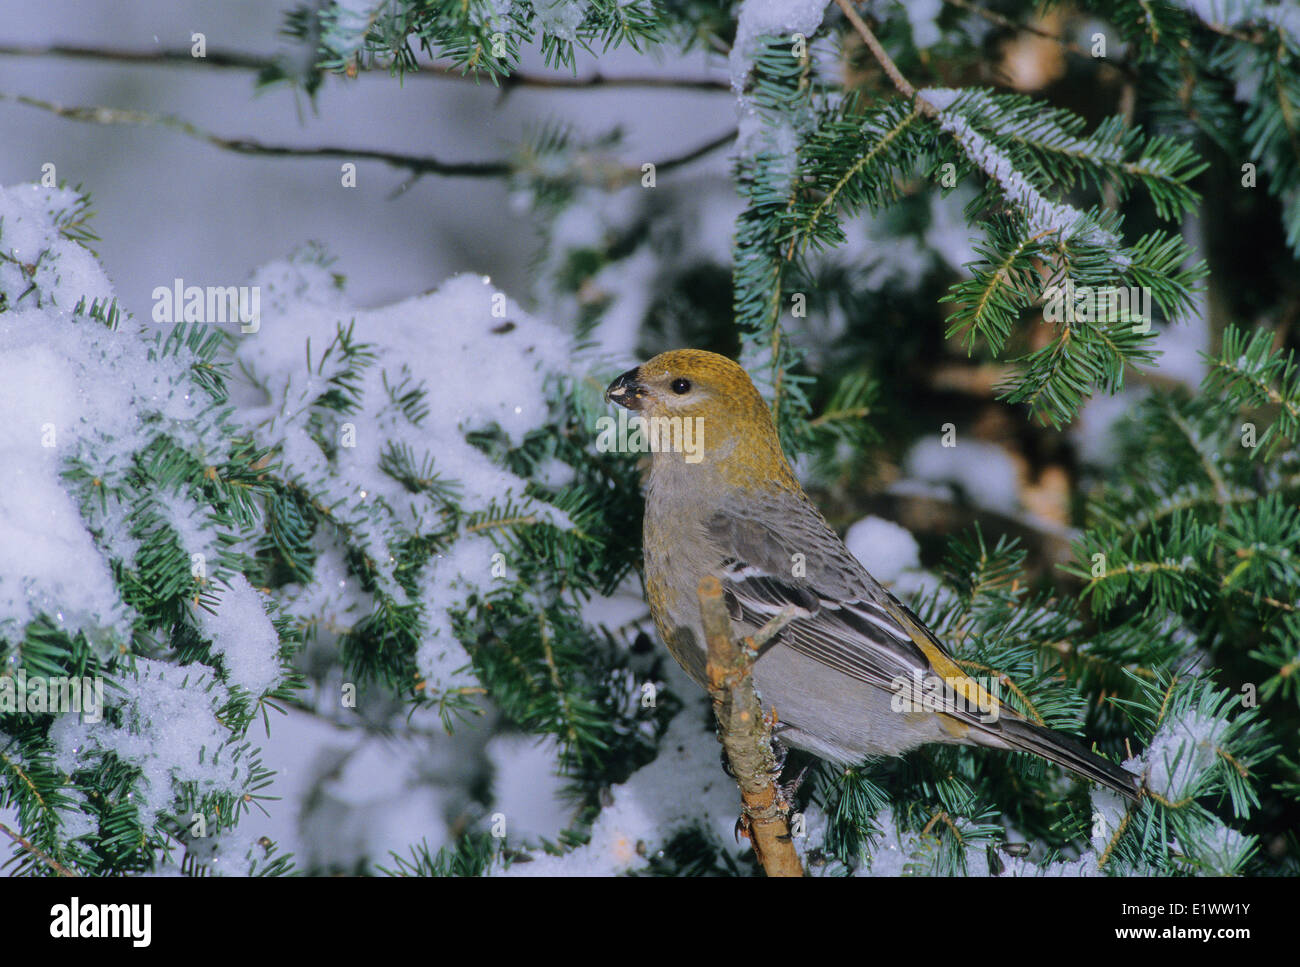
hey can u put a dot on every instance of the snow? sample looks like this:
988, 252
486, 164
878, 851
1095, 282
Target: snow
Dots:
590, 223
372, 802
1224, 12
243, 636
168, 727
555, 474
923, 16
1093, 431
594, 216
878, 258
464, 567
683, 786
70, 389
1183, 749
622, 608
333, 598
948, 234
561, 17
1286, 18
1222, 850
630, 283
526, 787
96, 395
779, 17
984, 471
889, 853
1216, 852
1045, 217
760, 132
884, 548
1085, 865
712, 234
369, 787
77, 393
919, 584
193, 526
64, 268
48, 561
1108, 811
481, 360
346, 30
1181, 348
350, 794
1247, 72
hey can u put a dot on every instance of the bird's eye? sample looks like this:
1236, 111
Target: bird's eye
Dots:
681, 386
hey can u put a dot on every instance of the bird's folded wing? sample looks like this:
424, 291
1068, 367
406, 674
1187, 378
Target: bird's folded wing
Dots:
842, 617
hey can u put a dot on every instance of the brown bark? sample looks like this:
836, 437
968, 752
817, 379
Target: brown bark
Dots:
746, 737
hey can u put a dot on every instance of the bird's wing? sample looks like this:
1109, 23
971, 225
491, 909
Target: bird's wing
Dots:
843, 618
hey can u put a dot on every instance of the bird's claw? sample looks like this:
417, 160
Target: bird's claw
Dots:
786, 791
779, 755
726, 762
742, 827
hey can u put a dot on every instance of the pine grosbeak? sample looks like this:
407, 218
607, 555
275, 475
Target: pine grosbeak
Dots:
854, 673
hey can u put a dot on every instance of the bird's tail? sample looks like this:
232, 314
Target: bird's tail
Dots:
1064, 750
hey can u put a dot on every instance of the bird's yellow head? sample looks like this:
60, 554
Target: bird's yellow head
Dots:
702, 409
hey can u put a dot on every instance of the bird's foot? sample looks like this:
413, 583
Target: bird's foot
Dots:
779, 754
726, 762
742, 827
786, 791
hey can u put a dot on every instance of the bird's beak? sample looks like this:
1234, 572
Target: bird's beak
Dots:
627, 390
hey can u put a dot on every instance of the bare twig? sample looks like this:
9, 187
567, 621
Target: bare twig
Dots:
239, 61
773, 628
36, 851
746, 737
118, 116
181, 57
417, 164
895, 75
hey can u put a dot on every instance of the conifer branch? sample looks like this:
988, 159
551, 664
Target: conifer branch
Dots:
886, 62
40, 854
746, 737
234, 60
416, 164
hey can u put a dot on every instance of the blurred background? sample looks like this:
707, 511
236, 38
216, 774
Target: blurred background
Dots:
170, 206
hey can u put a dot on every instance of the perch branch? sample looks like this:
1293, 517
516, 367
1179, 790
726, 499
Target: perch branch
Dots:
746, 737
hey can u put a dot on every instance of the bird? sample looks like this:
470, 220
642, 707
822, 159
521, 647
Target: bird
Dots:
729, 506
